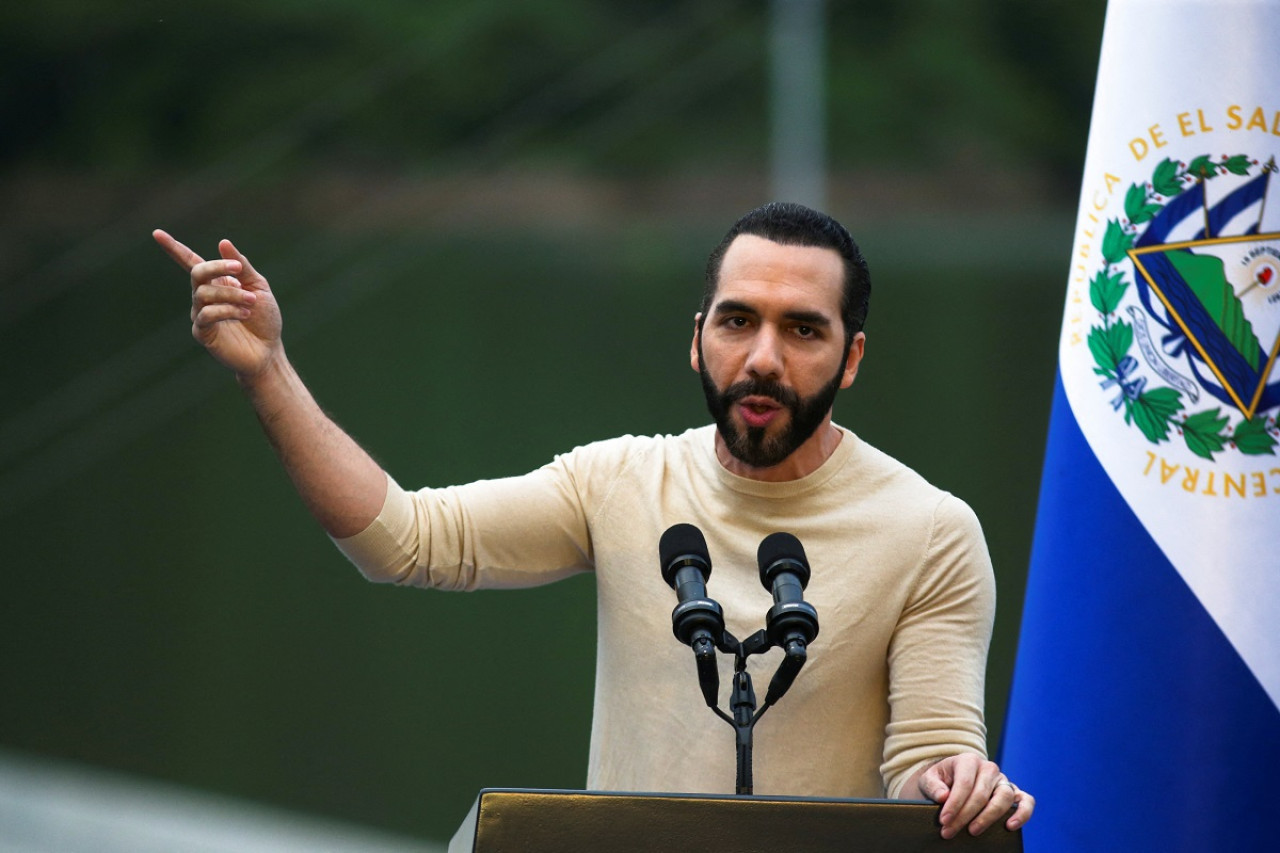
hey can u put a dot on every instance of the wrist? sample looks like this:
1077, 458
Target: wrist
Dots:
274, 372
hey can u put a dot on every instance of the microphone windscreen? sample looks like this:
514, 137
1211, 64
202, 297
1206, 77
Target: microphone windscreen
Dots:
780, 546
681, 540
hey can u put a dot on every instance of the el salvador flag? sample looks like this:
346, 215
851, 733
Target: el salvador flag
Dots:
1145, 708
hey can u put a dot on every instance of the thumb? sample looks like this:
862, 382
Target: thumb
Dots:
248, 274
933, 786
935, 789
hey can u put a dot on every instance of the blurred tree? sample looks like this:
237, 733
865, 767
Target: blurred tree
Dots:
607, 85
996, 80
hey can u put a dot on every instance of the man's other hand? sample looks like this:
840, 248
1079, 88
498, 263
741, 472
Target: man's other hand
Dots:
974, 793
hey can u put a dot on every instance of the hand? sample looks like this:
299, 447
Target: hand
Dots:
234, 314
973, 792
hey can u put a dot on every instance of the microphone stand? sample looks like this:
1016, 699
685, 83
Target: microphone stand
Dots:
742, 699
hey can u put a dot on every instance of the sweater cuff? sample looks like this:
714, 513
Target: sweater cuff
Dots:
379, 551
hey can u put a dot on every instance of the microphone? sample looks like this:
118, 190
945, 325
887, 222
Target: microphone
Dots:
792, 623
697, 621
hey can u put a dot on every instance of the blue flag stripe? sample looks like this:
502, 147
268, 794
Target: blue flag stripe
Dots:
1131, 717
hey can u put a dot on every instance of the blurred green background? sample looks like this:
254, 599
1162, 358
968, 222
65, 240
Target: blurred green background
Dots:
487, 224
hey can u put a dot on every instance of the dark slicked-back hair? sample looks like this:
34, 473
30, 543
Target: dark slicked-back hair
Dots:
796, 225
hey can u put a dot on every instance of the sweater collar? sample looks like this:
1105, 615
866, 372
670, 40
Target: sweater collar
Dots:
835, 463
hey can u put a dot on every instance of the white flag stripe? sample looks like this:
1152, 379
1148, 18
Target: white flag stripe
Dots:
1217, 519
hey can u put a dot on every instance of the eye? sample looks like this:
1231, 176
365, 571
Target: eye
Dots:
735, 322
807, 332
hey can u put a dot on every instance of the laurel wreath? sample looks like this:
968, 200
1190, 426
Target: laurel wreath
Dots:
1157, 411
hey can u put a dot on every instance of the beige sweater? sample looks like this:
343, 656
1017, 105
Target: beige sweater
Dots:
901, 580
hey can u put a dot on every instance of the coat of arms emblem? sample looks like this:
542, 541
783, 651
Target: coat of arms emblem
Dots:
1200, 299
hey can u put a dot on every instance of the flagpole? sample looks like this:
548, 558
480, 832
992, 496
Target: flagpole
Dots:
798, 98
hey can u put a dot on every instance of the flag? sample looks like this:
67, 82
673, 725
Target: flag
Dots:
1145, 708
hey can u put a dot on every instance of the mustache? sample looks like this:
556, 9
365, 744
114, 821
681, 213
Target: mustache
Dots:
784, 396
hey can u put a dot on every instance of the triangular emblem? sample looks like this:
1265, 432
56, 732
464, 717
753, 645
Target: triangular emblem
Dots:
1224, 294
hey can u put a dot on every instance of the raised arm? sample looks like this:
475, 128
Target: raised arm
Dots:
235, 316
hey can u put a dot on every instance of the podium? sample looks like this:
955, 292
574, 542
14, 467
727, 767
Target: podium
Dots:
538, 821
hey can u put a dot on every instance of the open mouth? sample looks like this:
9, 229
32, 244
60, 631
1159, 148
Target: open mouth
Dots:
759, 411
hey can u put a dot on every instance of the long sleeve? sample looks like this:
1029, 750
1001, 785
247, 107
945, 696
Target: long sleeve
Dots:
512, 532
938, 653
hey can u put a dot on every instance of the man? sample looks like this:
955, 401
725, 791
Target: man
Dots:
890, 702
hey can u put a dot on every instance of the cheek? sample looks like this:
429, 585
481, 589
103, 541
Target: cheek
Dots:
815, 374
716, 360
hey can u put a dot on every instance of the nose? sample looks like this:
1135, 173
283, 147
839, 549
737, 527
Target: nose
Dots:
765, 360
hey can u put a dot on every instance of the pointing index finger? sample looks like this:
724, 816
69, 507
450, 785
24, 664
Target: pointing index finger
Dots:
181, 255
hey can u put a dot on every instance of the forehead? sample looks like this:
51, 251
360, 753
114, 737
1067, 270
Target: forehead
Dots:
755, 269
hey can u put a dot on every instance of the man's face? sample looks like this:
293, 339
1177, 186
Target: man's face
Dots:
771, 348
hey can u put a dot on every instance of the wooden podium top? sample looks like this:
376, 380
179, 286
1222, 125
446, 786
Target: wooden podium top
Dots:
533, 821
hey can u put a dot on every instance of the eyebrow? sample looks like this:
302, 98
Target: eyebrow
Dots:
809, 318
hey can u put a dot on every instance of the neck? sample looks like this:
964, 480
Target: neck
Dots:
806, 458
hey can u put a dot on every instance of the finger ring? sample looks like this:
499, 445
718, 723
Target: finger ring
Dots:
1012, 786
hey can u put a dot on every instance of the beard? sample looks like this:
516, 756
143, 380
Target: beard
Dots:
754, 445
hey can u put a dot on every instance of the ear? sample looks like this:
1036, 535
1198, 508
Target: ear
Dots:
694, 361
853, 358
